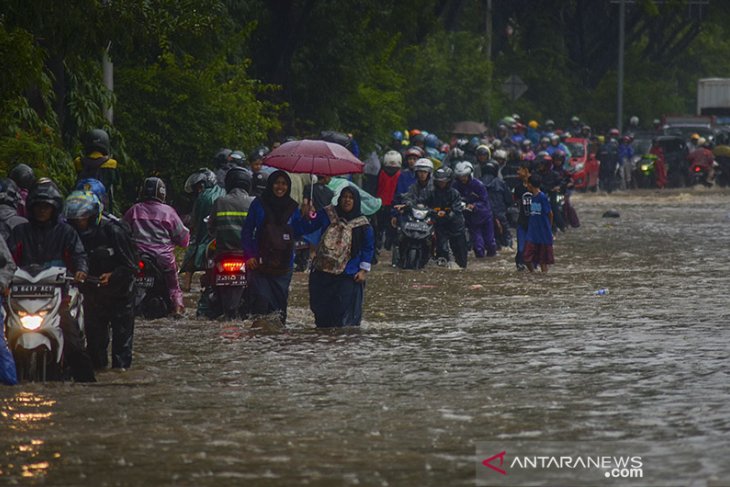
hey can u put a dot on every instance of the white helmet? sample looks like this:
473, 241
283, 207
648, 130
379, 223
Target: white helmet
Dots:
464, 168
500, 154
423, 164
392, 158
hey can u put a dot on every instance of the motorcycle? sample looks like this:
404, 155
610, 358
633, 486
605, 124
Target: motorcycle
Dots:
37, 295
152, 298
698, 175
223, 285
557, 202
415, 238
645, 172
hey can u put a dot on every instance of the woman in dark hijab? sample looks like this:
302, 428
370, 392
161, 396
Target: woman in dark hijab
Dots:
272, 226
344, 257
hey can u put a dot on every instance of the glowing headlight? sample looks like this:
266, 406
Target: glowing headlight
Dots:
420, 214
645, 167
579, 167
32, 322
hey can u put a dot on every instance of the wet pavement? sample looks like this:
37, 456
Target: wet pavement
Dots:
444, 359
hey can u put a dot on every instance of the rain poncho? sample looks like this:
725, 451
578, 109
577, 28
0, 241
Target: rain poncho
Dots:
479, 221
194, 259
368, 203
7, 364
156, 230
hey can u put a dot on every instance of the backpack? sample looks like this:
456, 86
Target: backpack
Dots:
276, 246
335, 246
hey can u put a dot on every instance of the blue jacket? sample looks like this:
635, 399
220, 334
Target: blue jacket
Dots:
255, 221
364, 258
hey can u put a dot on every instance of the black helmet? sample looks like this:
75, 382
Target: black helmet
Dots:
258, 153
238, 177
221, 157
97, 140
9, 193
45, 191
443, 174
237, 157
491, 168
153, 189
23, 176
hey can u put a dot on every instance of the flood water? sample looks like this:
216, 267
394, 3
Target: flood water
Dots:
443, 360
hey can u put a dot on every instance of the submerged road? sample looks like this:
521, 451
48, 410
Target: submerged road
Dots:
444, 360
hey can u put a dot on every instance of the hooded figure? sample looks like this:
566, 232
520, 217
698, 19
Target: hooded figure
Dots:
272, 226
479, 218
344, 257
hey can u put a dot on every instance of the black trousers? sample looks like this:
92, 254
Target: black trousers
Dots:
458, 245
74, 351
102, 315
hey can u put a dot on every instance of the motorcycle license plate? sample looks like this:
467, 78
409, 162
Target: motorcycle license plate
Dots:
31, 290
230, 279
415, 226
145, 282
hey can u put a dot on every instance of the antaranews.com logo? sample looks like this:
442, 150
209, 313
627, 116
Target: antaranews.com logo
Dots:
598, 464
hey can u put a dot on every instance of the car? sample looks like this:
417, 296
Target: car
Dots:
583, 163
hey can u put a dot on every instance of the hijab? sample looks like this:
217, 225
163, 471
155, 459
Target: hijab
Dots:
358, 234
279, 208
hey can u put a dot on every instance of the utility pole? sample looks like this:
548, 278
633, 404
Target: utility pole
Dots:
620, 88
108, 75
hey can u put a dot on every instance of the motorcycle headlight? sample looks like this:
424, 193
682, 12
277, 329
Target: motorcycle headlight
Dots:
579, 167
420, 214
645, 167
32, 322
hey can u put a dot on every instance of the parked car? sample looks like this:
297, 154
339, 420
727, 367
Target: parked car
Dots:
583, 163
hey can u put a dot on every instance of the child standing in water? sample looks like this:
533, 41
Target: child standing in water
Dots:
539, 240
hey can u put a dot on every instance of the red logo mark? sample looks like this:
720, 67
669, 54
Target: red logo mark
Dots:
488, 462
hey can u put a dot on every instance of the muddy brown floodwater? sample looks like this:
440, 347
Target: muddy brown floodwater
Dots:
443, 360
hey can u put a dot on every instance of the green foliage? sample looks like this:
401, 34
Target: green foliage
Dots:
447, 79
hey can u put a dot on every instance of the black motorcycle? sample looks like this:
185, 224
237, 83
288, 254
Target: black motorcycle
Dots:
152, 298
415, 238
224, 286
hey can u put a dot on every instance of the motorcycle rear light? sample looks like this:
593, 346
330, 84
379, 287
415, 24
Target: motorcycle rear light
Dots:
697, 169
231, 265
140, 264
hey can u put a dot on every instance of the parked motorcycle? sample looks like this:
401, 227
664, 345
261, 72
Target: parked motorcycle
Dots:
34, 320
224, 285
152, 298
415, 238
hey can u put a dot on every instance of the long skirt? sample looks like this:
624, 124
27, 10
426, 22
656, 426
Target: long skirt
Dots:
269, 294
335, 300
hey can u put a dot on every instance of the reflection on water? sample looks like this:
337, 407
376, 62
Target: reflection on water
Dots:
443, 360
25, 416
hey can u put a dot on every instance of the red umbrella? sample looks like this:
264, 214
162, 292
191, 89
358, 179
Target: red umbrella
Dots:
314, 157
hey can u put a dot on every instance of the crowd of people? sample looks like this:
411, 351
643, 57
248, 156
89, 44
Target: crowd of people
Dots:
508, 190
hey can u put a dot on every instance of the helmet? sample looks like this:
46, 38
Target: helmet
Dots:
634, 121
23, 176
692, 137
9, 193
496, 144
238, 177
45, 191
83, 204
500, 154
532, 124
483, 150
237, 157
544, 140
701, 141
456, 154
574, 119
414, 132
526, 144
432, 141
221, 156
549, 124
558, 155
626, 139
614, 132
95, 186
392, 158
516, 117
258, 153
398, 135
491, 168
414, 152
444, 148
202, 175
418, 139
464, 168
153, 189
97, 140
423, 164
443, 174
555, 138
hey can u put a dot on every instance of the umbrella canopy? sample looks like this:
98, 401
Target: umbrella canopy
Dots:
314, 157
469, 127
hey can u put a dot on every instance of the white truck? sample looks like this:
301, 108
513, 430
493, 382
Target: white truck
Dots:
713, 99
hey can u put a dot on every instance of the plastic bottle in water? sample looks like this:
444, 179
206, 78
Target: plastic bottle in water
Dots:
601, 292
